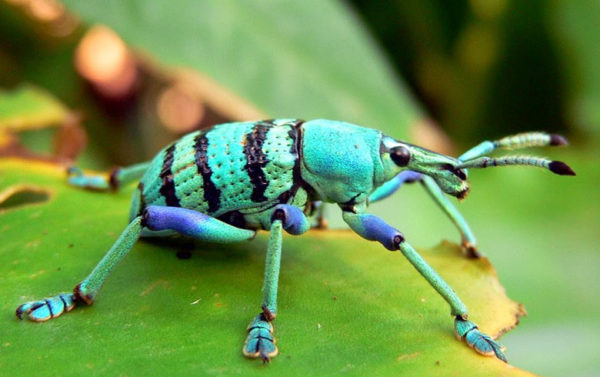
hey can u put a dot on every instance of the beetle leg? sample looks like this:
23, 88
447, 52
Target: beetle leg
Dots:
115, 179
193, 224
43, 310
375, 229
468, 242
391, 186
317, 215
156, 218
260, 341
85, 291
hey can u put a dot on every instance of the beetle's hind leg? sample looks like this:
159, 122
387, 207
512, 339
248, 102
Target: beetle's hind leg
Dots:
115, 179
84, 292
155, 218
260, 342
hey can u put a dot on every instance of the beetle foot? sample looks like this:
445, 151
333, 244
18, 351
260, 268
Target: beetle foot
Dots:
260, 342
470, 250
76, 177
43, 310
480, 342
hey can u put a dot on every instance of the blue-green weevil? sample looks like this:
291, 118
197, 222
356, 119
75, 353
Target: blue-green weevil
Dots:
225, 183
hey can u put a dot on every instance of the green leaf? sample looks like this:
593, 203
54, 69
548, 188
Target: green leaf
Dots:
308, 59
28, 107
346, 305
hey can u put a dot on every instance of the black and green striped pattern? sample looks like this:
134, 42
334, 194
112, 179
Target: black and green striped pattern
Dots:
231, 167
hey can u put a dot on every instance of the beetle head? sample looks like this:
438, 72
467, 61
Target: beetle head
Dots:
398, 156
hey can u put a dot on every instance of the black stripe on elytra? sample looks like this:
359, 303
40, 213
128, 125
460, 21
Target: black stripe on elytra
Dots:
212, 194
168, 184
256, 160
293, 134
296, 135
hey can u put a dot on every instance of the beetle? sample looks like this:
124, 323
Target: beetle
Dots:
224, 184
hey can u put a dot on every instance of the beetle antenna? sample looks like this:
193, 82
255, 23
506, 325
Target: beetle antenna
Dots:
556, 167
522, 140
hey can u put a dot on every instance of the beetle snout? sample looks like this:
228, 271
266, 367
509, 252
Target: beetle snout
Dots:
452, 180
460, 173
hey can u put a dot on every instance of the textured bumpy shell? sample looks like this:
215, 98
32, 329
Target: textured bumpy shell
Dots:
232, 167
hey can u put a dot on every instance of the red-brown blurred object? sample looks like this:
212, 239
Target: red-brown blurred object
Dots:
105, 61
180, 108
50, 16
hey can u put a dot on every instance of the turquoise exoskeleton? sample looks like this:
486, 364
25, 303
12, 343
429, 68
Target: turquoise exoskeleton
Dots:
224, 184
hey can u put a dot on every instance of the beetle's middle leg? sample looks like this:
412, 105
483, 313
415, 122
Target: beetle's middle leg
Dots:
468, 242
260, 341
375, 229
155, 218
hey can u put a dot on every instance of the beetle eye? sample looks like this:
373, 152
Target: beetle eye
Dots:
400, 156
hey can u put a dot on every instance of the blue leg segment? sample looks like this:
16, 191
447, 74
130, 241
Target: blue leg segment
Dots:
391, 186
194, 224
293, 219
181, 220
115, 179
373, 228
469, 243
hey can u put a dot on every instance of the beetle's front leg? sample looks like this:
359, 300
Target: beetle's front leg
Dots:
374, 228
468, 241
260, 341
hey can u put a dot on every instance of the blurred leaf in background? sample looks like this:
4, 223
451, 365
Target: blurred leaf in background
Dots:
28, 109
574, 26
490, 67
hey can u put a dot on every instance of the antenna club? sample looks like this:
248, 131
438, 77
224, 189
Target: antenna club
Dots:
560, 168
556, 139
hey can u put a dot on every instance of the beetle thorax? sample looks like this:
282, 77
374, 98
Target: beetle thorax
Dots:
340, 161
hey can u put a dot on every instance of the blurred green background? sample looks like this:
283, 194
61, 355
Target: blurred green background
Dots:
442, 74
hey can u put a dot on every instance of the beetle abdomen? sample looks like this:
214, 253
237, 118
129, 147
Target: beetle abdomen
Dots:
231, 167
